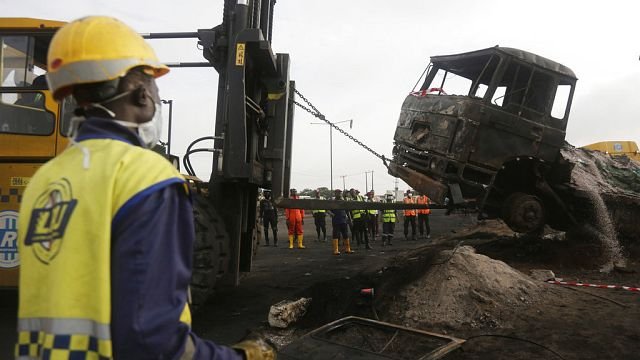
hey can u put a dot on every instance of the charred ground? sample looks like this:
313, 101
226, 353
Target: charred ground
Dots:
484, 296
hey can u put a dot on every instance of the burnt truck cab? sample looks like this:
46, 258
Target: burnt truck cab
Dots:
485, 129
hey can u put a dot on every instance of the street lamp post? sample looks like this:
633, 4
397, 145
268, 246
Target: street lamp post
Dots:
331, 144
170, 102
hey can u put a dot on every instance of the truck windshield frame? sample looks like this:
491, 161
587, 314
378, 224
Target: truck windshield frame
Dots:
517, 87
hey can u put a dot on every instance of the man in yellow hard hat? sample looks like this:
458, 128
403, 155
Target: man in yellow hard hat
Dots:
106, 228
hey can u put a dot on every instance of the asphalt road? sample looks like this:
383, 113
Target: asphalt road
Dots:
278, 273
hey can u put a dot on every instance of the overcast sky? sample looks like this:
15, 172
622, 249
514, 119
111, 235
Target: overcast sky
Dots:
359, 59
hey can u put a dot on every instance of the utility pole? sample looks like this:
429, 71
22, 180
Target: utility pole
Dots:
366, 182
395, 193
344, 186
371, 179
331, 144
365, 174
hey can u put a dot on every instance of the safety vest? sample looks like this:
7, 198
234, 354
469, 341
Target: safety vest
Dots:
388, 215
357, 214
318, 211
65, 245
409, 212
372, 211
423, 199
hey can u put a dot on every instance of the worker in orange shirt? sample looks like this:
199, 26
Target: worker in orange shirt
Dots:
295, 220
423, 216
409, 217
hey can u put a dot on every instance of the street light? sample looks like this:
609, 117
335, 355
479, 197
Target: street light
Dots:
170, 102
331, 143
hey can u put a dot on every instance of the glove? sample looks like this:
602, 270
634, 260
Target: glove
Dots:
256, 349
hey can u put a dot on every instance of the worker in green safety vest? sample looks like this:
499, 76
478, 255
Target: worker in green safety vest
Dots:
319, 218
372, 218
359, 221
388, 222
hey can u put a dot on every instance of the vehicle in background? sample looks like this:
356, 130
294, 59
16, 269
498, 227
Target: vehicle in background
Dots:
485, 129
251, 135
616, 148
32, 124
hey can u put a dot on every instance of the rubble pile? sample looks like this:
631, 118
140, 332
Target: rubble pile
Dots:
610, 187
464, 289
604, 173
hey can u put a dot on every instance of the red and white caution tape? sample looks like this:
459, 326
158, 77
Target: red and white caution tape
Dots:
573, 283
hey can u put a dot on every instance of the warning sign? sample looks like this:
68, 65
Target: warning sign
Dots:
240, 54
9, 239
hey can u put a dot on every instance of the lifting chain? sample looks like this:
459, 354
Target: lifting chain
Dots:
315, 112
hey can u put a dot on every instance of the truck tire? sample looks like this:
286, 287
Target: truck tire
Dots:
523, 213
211, 250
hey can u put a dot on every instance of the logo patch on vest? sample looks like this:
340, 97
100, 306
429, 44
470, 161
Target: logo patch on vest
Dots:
8, 239
49, 219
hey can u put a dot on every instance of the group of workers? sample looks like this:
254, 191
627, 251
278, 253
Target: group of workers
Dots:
362, 224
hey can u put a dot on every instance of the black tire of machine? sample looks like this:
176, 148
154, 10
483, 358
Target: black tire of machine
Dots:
210, 253
523, 213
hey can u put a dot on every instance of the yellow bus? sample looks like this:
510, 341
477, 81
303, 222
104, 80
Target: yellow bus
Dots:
32, 124
616, 148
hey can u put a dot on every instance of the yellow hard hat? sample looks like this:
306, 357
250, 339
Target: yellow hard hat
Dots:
96, 49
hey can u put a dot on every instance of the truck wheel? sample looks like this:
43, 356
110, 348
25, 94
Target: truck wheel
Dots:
523, 213
211, 250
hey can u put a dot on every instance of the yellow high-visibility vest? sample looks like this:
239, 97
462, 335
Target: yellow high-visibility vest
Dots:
64, 240
388, 215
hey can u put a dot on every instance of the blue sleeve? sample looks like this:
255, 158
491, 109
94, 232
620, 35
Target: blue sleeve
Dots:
151, 259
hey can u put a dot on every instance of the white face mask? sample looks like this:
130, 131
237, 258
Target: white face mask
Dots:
150, 131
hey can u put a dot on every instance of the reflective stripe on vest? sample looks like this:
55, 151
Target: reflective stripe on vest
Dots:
372, 211
409, 212
319, 211
65, 280
388, 215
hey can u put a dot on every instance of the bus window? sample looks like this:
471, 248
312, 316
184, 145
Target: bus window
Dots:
26, 115
22, 59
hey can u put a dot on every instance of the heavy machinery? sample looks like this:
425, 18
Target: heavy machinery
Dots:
31, 124
251, 139
616, 148
485, 129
